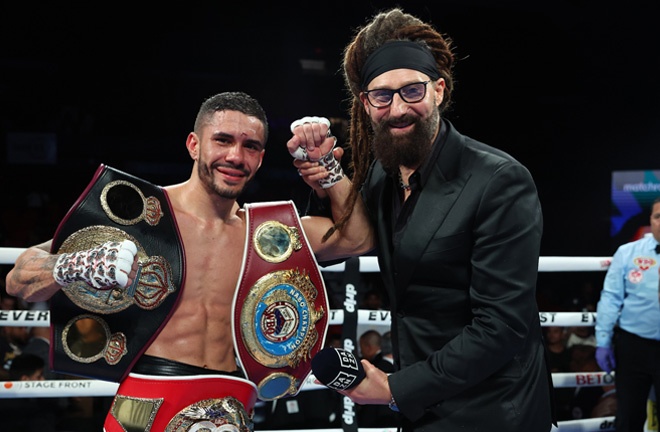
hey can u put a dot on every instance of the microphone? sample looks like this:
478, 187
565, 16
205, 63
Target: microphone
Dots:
337, 368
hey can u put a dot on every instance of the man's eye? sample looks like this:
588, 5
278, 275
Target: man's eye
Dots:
382, 96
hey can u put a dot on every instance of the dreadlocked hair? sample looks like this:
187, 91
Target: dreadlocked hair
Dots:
393, 24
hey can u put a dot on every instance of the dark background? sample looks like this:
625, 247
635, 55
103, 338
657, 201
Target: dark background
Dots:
570, 88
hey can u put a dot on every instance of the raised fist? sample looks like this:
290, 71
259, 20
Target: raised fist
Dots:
312, 138
102, 267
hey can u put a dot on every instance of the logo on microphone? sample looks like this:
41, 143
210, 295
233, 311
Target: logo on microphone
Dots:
344, 378
342, 381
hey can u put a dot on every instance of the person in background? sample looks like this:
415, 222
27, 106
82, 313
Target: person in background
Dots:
39, 345
371, 350
458, 228
628, 325
386, 347
559, 360
28, 414
372, 300
27, 367
585, 400
12, 341
558, 354
581, 335
7, 302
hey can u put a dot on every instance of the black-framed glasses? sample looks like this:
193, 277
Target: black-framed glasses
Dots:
411, 93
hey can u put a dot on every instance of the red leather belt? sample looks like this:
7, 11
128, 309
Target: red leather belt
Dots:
280, 313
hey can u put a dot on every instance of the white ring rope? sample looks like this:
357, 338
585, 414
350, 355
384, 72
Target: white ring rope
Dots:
8, 255
90, 387
368, 264
41, 318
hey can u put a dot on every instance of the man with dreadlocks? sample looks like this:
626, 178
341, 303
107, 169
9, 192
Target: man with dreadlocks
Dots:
457, 227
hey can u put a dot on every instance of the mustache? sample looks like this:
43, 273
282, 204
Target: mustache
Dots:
395, 122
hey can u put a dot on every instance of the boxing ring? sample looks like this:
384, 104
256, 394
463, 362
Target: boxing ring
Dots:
377, 319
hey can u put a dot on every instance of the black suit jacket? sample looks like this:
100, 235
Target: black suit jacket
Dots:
465, 324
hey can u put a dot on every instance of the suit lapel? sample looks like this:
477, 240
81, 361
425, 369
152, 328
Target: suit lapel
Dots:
435, 201
430, 211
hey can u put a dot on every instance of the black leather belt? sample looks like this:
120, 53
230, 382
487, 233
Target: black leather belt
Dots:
101, 333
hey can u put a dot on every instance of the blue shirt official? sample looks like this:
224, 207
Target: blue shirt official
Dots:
630, 293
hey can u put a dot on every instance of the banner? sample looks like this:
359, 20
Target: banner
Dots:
633, 193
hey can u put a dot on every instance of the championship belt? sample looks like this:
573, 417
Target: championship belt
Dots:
101, 333
280, 309
201, 403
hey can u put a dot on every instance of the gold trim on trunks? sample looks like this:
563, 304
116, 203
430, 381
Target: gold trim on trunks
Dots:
87, 338
278, 319
153, 284
227, 414
135, 414
274, 242
125, 204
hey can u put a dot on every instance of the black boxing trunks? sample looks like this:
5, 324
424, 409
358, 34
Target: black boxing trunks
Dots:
151, 365
280, 307
208, 401
101, 333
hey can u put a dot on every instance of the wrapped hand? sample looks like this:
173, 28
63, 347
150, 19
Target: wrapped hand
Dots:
101, 267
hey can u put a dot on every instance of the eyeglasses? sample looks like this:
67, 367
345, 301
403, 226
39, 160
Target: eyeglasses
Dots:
411, 93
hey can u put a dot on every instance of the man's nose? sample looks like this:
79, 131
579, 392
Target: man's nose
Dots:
398, 104
236, 153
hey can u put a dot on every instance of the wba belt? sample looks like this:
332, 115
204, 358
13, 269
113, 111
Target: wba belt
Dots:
101, 333
280, 313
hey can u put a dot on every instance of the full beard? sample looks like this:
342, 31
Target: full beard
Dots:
409, 150
205, 173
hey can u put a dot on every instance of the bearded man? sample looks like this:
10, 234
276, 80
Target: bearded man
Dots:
458, 228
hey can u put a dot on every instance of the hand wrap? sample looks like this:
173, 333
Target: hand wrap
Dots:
102, 267
328, 160
304, 120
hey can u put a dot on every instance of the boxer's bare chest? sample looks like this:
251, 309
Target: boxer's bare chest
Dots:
214, 254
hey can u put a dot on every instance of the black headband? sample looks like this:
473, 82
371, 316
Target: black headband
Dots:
399, 54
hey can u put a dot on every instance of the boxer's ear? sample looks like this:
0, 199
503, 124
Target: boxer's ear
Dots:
192, 144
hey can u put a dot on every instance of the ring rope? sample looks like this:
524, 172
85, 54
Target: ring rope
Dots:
369, 264
41, 318
91, 387
8, 255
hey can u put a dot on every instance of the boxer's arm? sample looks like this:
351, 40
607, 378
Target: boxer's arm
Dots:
312, 173
317, 158
355, 238
37, 274
31, 278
